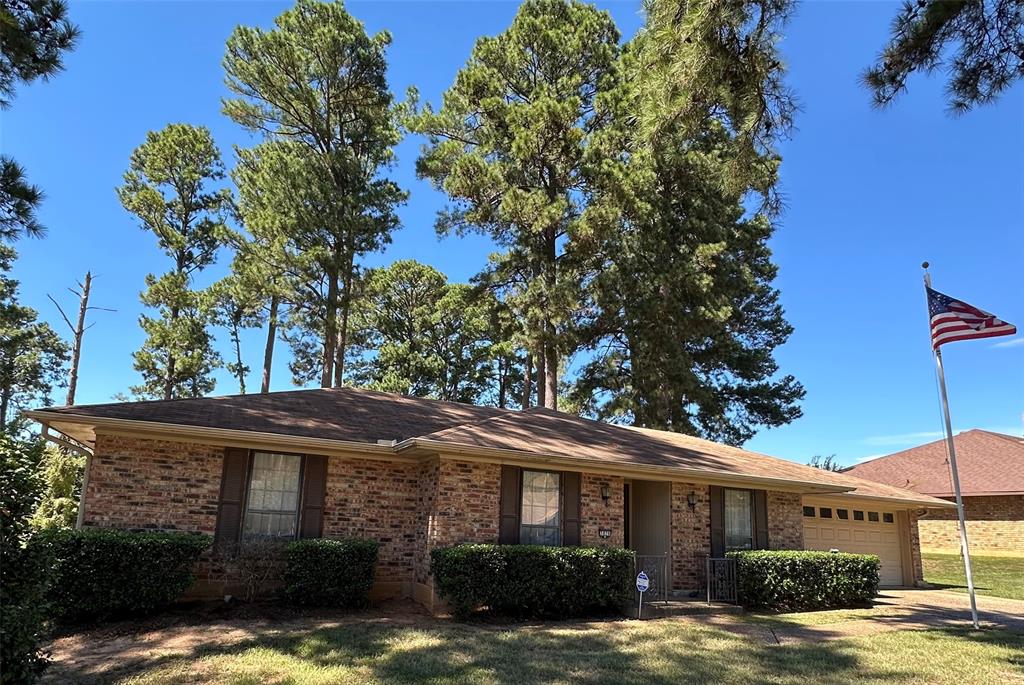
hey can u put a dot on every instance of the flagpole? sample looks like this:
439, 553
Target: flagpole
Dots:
956, 475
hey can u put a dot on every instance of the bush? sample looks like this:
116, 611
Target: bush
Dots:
24, 564
255, 565
801, 581
326, 572
100, 574
533, 581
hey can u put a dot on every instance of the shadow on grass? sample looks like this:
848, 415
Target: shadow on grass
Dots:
445, 652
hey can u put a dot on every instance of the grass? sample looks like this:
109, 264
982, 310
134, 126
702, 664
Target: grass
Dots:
817, 618
664, 651
1001, 576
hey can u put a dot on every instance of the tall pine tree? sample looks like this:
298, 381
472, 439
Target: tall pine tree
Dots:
509, 147
316, 86
170, 186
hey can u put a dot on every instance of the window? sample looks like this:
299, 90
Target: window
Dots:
809, 511
541, 522
273, 506
873, 516
825, 512
858, 515
739, 520
887, 518
842, 514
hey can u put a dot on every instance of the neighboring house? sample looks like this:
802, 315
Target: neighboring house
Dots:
416, 474
991, 468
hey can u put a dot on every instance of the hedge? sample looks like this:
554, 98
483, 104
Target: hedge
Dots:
532, 581
327, 572
802, 581
100, 574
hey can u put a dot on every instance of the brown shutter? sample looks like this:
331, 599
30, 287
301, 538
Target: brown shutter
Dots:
571, 509
234, 482
314, 487
717, 505
760, 519
508, 519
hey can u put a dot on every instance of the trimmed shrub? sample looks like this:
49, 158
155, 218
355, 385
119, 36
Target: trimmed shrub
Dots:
802, 581
533, 581
327, 572
100, 574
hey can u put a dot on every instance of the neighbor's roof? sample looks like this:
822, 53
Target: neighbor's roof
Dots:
988, 463
397, 424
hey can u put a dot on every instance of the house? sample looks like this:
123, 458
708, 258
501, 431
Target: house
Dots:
991, 468
416, 474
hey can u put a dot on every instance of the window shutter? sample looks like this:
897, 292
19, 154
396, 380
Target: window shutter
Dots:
234, 482
314, 487
508, 519
570, 508
760, 519
717, 505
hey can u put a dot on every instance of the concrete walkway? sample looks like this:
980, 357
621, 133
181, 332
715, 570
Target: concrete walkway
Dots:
893, 610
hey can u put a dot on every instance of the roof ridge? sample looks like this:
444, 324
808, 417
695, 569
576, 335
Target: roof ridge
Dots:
508, 413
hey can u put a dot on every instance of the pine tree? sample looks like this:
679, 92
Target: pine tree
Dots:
316, 86
509, 147
684, 319
34, 35
170, 188
980, 43
32, 355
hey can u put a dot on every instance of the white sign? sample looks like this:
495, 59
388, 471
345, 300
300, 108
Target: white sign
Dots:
642, 582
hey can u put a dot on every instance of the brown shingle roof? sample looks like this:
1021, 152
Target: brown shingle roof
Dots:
988, 463
544, 432
364, 416
333, 413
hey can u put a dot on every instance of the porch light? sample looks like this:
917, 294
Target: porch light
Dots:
606, 493
691, 500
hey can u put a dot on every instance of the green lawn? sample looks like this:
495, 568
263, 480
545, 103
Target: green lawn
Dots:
998, 576
662, 651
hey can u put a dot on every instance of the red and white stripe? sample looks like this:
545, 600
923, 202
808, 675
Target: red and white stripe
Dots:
967, 323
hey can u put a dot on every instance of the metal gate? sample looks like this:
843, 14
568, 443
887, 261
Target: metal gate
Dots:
656, 568
721, 580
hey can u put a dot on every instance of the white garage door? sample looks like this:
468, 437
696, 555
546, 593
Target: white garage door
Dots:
862, 531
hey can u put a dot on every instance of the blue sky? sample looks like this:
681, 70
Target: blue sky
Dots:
869, 194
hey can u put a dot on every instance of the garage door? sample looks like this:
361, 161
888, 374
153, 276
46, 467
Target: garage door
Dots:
862, 531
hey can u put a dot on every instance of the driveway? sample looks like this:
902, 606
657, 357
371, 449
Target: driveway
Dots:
893, 610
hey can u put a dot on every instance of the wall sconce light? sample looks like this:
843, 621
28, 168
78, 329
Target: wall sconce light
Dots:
606, 493
691, 500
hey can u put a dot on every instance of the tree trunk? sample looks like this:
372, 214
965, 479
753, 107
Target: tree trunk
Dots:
330, 330
541, 375
237, 339
551, 376
346, 308
79, 332
268, 351
171, 362
527, 389
502, 382
5, 400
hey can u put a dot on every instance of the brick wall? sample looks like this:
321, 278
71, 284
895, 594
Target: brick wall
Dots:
426, 509
691, 536
994, 524
466, 509
596, 515
376, 499
915, 549
785, 520
139, 484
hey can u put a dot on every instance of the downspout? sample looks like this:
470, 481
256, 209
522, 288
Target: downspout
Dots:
78, 449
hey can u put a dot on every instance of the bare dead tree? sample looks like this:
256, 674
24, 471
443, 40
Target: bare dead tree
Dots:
78, 328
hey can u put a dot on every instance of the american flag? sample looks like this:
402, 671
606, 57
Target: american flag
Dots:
954, 320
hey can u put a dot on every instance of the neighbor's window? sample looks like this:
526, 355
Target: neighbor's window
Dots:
739, 524
273, 506
541, 522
